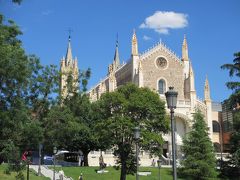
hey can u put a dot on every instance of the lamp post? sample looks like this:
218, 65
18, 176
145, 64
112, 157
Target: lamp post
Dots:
54, 161
159, 166
137, 137
171, 97
39, 160
221, 143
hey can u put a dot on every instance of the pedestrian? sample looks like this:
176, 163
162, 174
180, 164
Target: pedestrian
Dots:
82, 160
153, 163
101, 162
80, 177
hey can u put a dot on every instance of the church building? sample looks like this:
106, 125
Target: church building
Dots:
157, 68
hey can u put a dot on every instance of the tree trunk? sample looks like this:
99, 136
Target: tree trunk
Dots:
1, 160
85, 157
123, 170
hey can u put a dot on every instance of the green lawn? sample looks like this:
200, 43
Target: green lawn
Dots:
89, 173
32, 175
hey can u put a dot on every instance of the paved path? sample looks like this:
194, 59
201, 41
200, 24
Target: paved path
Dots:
48, 172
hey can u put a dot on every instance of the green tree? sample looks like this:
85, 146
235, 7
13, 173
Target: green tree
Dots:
42, 88
84, 135
199, 162
13, 79
26, 88
232, 167
234, 71
235, 144
58, 128
14, 113
40, 95
81, 124
120, 112
71, 126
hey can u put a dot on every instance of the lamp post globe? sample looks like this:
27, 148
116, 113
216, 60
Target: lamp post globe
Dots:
54, 150
137, 133
171, 97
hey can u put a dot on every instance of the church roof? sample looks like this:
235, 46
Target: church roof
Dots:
160, 46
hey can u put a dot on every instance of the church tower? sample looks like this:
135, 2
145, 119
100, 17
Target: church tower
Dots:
208, 102
134, 58
69, 71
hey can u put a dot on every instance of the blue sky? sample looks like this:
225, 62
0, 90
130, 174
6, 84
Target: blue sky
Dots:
212, 29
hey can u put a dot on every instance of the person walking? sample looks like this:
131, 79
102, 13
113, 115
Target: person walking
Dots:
101, 162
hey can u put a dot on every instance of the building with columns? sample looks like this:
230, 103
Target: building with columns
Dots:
158, 68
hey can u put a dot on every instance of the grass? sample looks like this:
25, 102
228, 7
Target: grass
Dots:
11, 176
89, 173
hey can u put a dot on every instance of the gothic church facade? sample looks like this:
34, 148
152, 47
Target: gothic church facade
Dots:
159, 68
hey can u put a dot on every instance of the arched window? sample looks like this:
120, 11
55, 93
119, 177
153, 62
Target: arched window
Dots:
216, 127
161, 86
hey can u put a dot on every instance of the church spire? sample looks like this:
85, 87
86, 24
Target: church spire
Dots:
69, 51
134, 44
191, 76
207, 91
184, 49
116, 55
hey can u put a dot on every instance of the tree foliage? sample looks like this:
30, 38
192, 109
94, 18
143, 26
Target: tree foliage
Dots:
74, 85
71, 126
25, 95
199, 162
234, 71
82, 108
120, 112
13, 78
232, 167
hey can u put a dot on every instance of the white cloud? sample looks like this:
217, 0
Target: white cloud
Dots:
146, 38
162, 21
47, 12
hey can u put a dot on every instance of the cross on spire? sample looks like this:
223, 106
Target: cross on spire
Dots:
69, 32
117, 40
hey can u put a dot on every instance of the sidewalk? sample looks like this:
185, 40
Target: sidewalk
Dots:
48, 172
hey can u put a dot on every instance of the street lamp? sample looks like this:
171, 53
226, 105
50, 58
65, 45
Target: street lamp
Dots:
171, 97
221, 143
159, 166
54, 161
137, 137
40, 157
